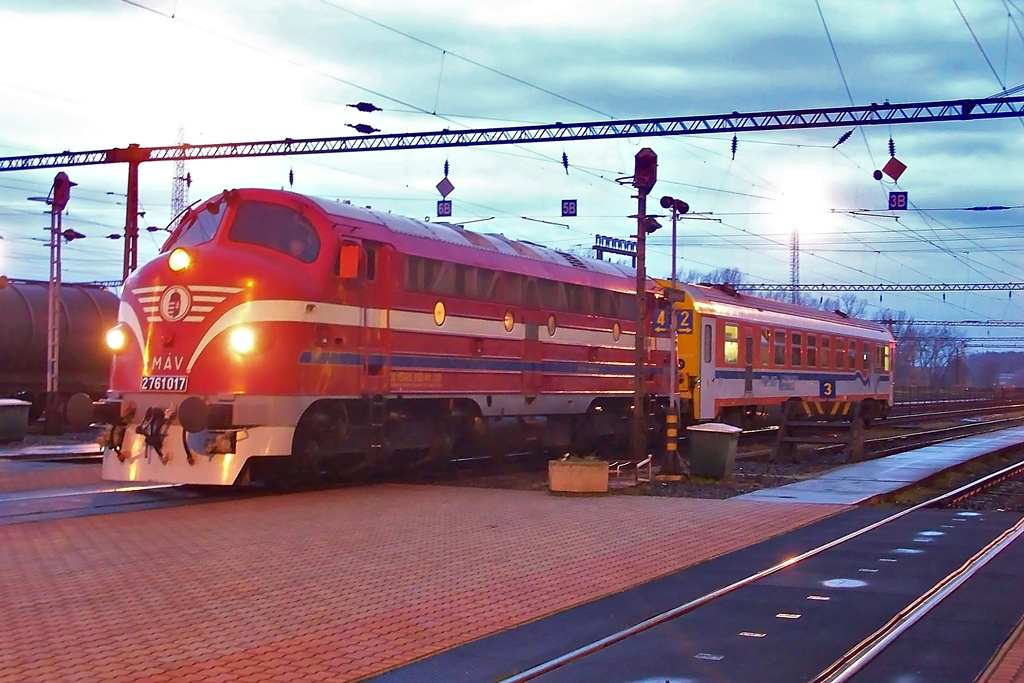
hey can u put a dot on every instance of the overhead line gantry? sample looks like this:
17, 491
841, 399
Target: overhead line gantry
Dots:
886, 287
831, 117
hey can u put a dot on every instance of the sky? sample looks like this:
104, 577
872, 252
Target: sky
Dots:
97, 74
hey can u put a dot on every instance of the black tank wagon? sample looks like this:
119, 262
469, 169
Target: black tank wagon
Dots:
86, 313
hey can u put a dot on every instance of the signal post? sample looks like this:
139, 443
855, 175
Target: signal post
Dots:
645, 175
61, 193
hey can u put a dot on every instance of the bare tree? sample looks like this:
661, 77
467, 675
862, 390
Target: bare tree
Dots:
731, 276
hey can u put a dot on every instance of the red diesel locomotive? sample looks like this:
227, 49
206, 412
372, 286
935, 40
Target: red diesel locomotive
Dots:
278, 334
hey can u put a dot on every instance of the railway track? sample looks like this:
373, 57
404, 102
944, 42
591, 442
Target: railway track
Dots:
942, 551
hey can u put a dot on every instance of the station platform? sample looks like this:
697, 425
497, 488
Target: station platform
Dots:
351, 583
864, 481
335, 585
28, 467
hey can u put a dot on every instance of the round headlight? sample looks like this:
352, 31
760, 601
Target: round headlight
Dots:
179, 260
242, 340
117, 338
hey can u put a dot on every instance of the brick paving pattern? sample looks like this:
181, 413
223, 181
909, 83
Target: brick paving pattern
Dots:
1008, 664
334, 585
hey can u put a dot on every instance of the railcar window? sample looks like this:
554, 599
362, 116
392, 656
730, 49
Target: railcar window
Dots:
486, 284
707, 344
626, 306
797, 353
532, 295
865, 355
826, 342
552, 294
371, 263
780, 348
414, 273
465, 280
600, 302
732, 343
441, 276
885, 357
587, 304
574, 298
277, 227
840, 353
512, 288
766, 341
851, 356
198, 227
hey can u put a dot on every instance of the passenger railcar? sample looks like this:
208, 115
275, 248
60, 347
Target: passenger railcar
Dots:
278, 334
741, 356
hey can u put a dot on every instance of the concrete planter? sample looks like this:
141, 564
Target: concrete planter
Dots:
578, 476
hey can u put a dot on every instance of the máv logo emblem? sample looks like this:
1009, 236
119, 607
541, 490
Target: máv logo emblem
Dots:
175, 303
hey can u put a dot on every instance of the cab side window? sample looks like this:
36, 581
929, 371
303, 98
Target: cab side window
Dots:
276, 227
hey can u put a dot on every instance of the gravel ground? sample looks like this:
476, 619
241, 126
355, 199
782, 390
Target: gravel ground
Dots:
747, 476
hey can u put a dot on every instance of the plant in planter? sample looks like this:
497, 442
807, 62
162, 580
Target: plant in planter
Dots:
573, 474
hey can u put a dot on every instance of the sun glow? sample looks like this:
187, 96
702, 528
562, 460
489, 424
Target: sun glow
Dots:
805, 203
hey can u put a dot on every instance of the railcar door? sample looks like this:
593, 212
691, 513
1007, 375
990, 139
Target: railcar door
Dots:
706, 382
748, 359
374, 304
533, 351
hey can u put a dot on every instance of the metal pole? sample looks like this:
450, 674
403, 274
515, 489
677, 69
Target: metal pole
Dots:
131, 221
672, 419
53, 425
638, 442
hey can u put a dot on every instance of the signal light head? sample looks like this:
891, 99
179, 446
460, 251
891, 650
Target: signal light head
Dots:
645, 170
672, 203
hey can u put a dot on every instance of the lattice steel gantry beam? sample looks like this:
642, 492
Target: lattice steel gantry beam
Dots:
870, 115
886, 287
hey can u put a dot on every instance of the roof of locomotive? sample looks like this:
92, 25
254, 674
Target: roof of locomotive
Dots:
423, 233
722, 298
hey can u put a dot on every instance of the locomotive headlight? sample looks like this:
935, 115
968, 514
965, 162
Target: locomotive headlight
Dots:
117, 338
242, 340
179, 260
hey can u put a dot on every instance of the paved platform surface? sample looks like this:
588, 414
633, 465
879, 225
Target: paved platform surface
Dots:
853, 484
335, 585
22, 467
29, 476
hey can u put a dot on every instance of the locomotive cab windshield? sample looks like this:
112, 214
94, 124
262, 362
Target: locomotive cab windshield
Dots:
198, 227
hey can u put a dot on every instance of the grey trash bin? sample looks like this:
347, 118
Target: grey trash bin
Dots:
712, 449
13, 419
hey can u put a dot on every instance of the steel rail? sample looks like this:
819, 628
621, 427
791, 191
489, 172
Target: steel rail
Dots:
680, 610
848, 665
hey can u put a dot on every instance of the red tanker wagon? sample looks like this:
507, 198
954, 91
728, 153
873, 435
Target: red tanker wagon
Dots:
279, 334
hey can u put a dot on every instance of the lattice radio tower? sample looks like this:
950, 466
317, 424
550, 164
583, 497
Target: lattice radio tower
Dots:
182, 181
794, 265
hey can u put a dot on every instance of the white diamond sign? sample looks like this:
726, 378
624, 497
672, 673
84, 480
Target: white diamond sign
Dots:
445, 187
